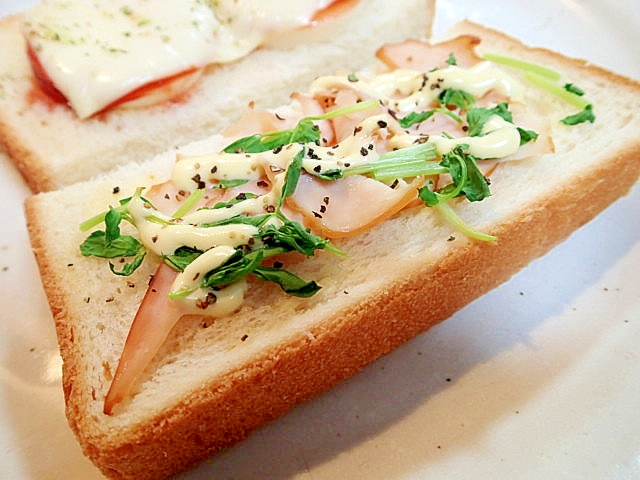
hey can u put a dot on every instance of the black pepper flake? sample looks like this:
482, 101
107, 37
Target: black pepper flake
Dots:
278, 264
109, 299
357, 130
316, 214
394, 184
198, 180
317, 168
323, 208
382, 124
167, 196
279, 117
244, 337
325, 200
209, 299
69, 264
116, 190
451, 238
214, 169
277, 150
364, 152
270, 208
154, 239
312, 154
465, 128
347, 164
262, 183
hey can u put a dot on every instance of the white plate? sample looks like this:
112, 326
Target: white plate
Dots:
538, 379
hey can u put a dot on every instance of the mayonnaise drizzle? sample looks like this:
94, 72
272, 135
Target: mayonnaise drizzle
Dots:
163, 235
408, 90
400, 91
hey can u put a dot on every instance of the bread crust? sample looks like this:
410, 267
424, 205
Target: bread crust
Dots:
224, 412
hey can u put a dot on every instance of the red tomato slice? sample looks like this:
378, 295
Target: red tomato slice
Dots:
152, 93
43, 79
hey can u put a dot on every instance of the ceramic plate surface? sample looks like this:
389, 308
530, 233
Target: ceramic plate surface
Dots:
538, 379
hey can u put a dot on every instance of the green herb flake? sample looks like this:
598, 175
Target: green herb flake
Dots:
570, 87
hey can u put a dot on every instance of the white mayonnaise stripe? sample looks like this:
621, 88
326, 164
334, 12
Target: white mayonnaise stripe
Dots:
164, 238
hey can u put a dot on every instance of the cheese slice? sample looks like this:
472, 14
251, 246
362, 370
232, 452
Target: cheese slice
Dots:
97, 51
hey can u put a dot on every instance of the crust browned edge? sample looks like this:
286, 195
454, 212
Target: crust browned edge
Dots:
25, 161
221, 415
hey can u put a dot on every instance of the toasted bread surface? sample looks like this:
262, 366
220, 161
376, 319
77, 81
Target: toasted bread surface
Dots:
210, 386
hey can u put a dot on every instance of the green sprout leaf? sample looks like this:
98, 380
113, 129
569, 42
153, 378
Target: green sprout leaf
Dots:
586, 115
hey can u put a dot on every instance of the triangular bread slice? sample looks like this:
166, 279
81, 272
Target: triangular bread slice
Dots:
211, 385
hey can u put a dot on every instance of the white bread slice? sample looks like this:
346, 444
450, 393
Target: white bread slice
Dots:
52, 148
210, 387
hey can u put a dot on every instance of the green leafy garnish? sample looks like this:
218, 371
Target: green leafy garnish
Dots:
412, 161
448, 97
450, 214
586, 115
290, 283
181, 258
478, 117
109, 243
239, 198
291, 177
189, 203
558, 90
304, 132
457, 98
467, 179
535, 68
451, 59
527, 136
414, 118
570, 87
548, 79
237, 267
236, 182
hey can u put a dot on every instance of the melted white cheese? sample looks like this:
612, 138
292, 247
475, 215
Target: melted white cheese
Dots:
95, 52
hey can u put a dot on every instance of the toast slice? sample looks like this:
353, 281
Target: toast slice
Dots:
212, 384
51, 147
